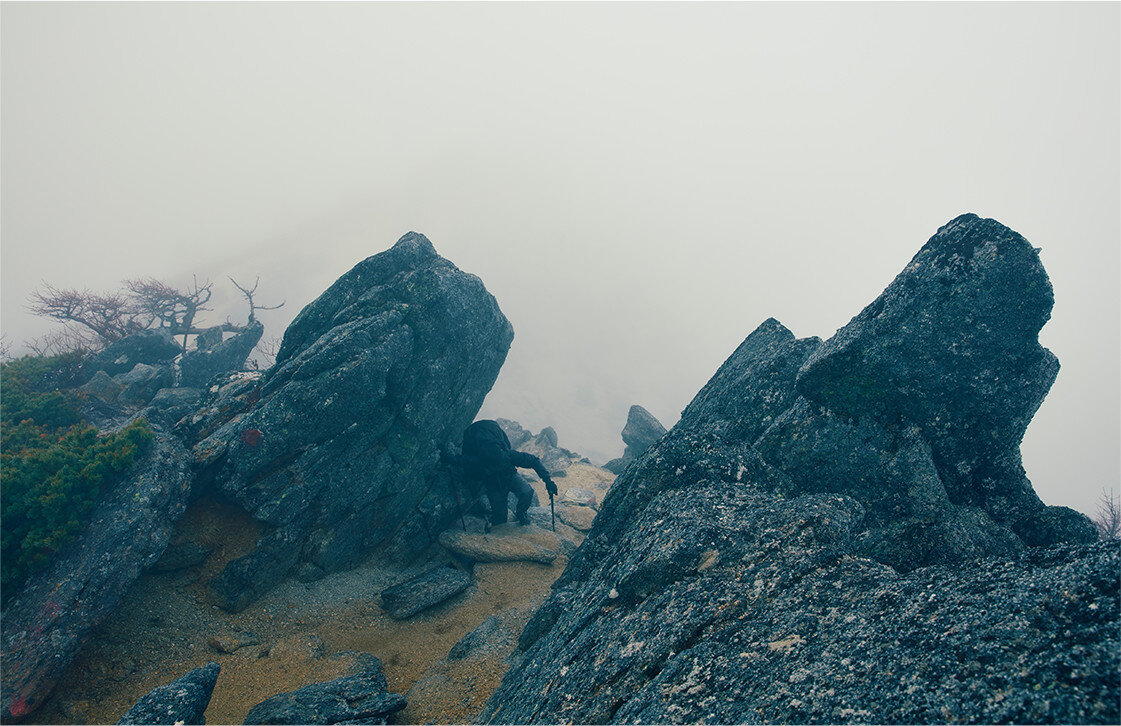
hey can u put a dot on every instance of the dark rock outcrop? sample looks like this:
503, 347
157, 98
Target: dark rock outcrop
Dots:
361, 698
150, 347
639, 434
408, 598
340, 453
183, 701
48, 620
811, 544
214, 357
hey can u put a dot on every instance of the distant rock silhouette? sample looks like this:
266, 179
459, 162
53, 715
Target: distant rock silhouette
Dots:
545, 446
339, 453
639, 434
842, 532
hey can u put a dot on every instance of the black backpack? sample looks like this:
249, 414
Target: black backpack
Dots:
488, 447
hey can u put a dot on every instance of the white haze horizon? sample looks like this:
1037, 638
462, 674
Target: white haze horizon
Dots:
639, 185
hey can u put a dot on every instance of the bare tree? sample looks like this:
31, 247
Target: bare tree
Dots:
144, 304
266, 351
111, 317
68, 339
5, 348
166, 307
1107, 518
253, 307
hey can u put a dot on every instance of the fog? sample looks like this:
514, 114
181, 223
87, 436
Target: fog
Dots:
639, 185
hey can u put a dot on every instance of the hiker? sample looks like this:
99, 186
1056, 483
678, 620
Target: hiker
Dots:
489, 460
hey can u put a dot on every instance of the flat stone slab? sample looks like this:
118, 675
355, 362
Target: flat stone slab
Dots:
580, 518
408, 598
495, 548
579, 495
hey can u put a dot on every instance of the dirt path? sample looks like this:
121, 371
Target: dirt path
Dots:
163, 626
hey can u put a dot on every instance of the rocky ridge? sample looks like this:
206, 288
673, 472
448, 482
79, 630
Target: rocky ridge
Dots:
842, 532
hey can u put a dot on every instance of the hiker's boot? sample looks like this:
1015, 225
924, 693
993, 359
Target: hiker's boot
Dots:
523, 518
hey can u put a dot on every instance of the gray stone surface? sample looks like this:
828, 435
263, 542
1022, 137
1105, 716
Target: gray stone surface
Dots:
102, 387
794, 550
408, 598
183, 701
641, 431
501, 545
142, 383
197, 367
339, 455
52, 615
362, 697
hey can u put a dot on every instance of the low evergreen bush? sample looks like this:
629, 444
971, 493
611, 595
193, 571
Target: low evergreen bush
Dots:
53, 466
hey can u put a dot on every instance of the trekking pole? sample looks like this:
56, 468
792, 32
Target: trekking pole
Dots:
458, 506
552, 512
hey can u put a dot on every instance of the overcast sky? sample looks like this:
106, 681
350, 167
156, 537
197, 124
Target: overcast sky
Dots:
639, 185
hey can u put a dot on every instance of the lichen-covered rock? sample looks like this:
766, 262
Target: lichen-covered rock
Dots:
102, 387
150, 347
794, 550
48, 620
340, 453
359, 698
183, 701
951, 346
142, 383
211, 358
431, 588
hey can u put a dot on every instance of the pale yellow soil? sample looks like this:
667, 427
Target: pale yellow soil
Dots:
162, 627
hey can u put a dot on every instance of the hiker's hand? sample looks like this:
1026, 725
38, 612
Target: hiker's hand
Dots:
551, 488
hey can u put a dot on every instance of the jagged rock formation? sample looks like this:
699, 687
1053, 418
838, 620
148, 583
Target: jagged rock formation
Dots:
213, 357
339, 453
545, 446
639, 434
182, 701
842, 532
48, 620
362, 697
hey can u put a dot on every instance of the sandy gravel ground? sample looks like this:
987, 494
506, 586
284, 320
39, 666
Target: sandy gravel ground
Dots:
299, 633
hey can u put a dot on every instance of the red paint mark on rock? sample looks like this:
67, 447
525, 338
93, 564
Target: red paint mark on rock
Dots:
251, 437
19, 707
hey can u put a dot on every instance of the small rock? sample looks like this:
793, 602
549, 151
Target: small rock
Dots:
308, 572
578, 495
356, 699
102, 387
182, 701
230, 643
420, 593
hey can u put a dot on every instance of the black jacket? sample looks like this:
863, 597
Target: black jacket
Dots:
488, 457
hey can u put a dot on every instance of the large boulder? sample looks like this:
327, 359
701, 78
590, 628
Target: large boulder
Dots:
212, 358
51, 616
362, 697
794, 550
545, 445
183, 701
339, 454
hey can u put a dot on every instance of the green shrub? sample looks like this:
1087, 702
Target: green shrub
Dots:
53, 466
